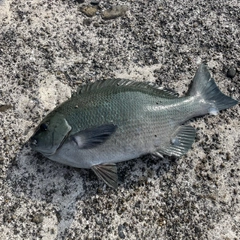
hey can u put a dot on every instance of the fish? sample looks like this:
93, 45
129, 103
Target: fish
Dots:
116, 120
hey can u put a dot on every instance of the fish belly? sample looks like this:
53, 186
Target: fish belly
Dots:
144, 124
133, 139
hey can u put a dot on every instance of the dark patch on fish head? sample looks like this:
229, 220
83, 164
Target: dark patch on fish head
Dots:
50, 134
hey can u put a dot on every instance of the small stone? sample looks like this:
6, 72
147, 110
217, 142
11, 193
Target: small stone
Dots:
120, 232
96, 24
228, 156
99, 222
95, 3
87, 22
4, 108
114, 12
231, 72
89, 11
37, 218
79, 1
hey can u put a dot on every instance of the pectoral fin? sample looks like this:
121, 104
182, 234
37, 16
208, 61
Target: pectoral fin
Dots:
108, 173
180, 142
92, 137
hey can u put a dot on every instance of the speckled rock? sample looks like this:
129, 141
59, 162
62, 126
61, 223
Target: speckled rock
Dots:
47, 49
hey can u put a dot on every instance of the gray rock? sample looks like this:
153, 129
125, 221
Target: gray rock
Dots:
120, 232
231, 73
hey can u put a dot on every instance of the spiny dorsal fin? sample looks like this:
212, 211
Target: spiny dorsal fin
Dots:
127, 85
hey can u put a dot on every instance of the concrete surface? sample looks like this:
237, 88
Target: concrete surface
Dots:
47, 49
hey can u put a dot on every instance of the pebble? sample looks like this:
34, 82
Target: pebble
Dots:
37, 218
120, 232
89, 11
87, 22
231, 72
114, 12
4, 108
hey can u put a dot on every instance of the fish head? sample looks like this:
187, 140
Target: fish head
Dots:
50, 134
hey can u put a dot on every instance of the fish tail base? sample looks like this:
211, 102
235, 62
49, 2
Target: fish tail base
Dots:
209, 94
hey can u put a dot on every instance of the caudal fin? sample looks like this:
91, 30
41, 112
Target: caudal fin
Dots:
205, 88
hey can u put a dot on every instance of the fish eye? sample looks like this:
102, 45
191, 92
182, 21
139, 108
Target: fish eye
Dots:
44, 127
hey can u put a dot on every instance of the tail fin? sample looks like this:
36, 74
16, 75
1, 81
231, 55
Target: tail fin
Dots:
204, 86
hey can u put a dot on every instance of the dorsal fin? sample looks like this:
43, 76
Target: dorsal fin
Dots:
127, 85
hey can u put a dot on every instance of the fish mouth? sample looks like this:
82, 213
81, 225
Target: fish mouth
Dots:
50, 151
33, 145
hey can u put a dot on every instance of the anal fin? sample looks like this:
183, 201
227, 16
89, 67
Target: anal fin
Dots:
157, 154
180, 142
108, 173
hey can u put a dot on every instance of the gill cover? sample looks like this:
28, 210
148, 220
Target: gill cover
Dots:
50, 134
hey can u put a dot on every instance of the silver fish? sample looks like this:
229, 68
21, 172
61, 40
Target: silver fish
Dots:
116, 120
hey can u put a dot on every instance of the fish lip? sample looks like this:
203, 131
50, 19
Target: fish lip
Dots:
46, 153
33, 147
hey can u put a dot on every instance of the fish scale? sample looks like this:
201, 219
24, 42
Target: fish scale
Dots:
115, 120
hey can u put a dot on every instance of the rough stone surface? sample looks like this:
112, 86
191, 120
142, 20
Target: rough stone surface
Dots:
46, 51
